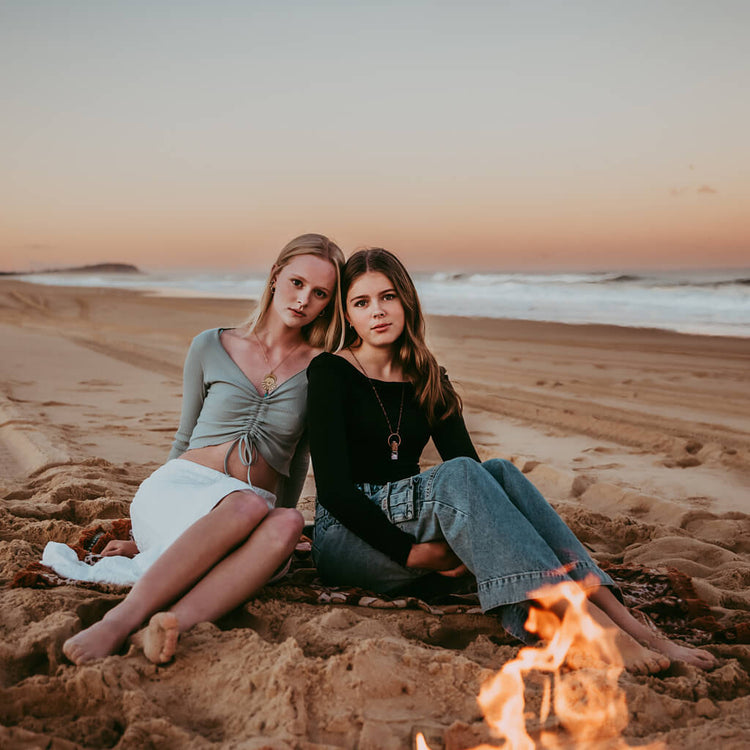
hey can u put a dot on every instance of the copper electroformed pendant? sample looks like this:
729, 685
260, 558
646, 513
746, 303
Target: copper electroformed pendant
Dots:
394, 440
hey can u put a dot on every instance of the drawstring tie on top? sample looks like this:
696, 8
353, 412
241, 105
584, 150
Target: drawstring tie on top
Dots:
246, 451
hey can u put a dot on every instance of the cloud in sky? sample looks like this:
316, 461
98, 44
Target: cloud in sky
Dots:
676, 192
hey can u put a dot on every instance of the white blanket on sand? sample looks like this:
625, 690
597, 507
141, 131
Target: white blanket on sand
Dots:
171, 500
117, 569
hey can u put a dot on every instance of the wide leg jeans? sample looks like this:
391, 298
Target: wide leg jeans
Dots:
490, 514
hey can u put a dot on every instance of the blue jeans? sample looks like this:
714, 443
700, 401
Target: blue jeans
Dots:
491, 516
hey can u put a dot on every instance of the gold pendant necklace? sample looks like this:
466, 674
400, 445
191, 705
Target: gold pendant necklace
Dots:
270, 382
394, 437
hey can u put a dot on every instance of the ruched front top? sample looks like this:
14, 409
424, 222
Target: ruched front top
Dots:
220, 405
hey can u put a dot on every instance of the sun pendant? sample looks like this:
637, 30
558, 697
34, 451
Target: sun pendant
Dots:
269, 383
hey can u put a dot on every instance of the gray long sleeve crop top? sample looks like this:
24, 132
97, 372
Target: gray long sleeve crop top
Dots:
220, 404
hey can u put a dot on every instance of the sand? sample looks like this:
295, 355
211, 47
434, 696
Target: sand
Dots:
640, 438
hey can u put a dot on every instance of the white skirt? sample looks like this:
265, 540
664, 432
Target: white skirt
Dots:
166, 504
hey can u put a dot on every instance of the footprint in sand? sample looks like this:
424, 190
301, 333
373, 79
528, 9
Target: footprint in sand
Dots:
693, 446
682, 463
688, 461
98, 385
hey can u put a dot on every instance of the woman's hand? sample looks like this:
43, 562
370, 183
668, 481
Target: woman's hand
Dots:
437, 556
120, 547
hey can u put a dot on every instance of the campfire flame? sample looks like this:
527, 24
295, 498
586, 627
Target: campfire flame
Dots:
586, 700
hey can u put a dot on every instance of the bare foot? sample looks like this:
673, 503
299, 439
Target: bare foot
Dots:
636, 659
603, 599
160, 637
695, 656
102, 639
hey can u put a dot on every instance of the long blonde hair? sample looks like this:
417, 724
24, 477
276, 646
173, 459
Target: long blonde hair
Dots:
434, 392
327, 330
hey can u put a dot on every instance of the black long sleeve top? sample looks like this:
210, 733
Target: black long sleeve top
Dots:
349, 445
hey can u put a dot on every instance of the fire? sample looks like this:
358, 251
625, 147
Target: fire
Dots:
587, 701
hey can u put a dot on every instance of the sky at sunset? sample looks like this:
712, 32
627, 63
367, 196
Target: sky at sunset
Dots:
497, 135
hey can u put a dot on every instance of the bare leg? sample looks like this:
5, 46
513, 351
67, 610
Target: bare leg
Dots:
195, 552
230, 583
621, 616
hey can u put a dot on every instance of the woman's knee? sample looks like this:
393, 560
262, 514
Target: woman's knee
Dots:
286, 523
500, 468
462, 464
465, 472
245, 508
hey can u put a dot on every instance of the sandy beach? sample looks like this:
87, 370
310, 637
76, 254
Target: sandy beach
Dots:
640, 439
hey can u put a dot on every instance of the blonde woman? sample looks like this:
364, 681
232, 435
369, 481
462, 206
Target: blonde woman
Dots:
208, 532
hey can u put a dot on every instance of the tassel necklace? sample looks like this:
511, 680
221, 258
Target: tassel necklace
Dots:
394, 436
270, 380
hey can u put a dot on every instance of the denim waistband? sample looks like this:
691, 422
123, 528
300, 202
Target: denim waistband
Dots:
370, 488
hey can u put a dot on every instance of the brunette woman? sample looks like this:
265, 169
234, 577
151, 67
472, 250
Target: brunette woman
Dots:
384, 525
207, 530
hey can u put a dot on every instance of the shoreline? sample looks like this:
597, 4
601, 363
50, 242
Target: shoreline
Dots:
166, 291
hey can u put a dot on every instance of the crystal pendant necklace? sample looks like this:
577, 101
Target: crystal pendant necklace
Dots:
394, 436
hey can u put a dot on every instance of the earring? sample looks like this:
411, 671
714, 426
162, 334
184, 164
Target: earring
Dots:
273, 289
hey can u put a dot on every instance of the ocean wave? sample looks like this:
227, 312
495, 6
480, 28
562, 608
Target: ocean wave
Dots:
665, 280
715, 302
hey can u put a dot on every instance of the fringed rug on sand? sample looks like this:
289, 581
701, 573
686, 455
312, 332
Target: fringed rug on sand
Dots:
666, 596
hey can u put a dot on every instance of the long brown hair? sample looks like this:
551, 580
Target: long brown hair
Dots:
327, 330
434, 392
